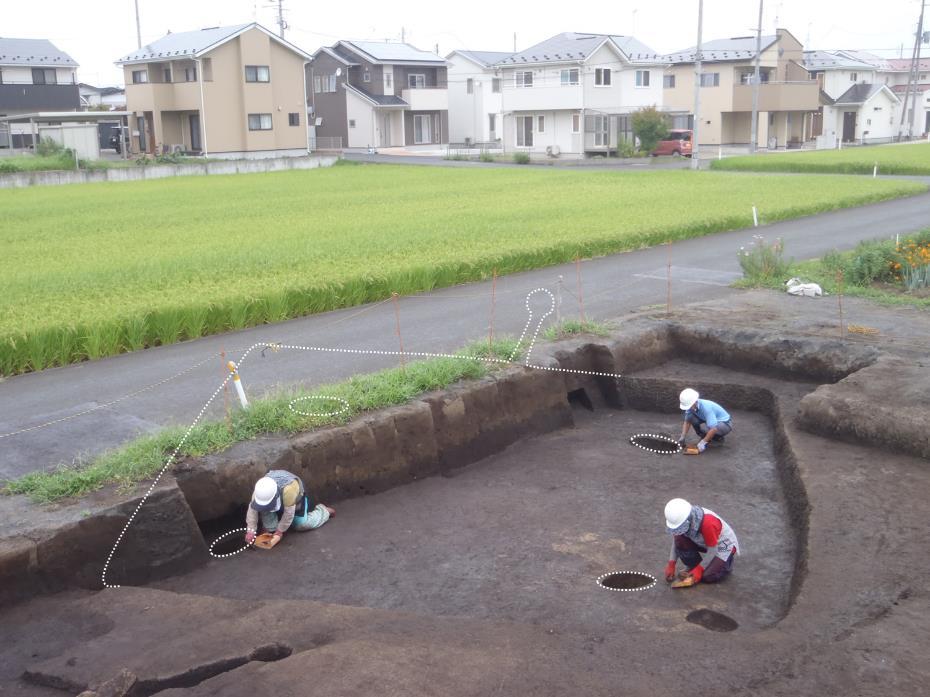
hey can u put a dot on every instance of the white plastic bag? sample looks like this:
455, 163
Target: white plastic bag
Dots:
794, 286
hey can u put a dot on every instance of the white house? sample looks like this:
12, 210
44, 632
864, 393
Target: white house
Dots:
856, 104
574, 93
475, 103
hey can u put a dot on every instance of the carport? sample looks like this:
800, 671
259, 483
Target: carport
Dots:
60, 118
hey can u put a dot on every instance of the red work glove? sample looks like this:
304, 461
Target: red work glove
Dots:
670, 571
278, 533
249, 537
697, 572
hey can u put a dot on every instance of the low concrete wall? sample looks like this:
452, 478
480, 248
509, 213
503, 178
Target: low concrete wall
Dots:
157, 171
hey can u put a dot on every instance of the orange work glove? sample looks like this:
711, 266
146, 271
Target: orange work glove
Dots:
670, 571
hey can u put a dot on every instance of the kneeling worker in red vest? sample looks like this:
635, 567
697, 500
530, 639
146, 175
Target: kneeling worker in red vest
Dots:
702, 540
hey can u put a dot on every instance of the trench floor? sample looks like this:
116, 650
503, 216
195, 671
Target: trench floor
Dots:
523, 535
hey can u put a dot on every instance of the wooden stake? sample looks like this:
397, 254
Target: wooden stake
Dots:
580, 294
226, 391
668, 292
839, 297
491, 325
400, 339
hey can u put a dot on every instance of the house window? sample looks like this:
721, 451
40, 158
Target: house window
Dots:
388, 79
257, 73
44, 76
854, 76
190, 74
293, 118
351, 123
576, 123
923, 76
470, 86
541, 124
570, 76
330, 83
317, 84
366, 76
259, 122
416, 81
710, 79
599, 126
167, 74
138, 76
495, 84
492, 122
668, 81
523, 79
524, 131
642, 78
602, 76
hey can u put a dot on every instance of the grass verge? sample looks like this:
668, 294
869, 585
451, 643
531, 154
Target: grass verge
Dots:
907, 159
144, 457
176, 259
572, 327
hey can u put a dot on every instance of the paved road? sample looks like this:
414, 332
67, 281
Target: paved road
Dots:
439, 321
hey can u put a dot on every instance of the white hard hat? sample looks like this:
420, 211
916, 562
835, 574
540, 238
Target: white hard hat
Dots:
676, 513
266, 489
687, 398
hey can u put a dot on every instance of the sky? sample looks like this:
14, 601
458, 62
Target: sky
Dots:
96, 33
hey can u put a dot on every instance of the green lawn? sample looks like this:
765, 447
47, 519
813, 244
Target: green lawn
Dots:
96, 269
910, 158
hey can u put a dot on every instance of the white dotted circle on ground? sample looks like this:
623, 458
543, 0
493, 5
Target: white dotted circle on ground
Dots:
225, 535
657, 436
600, 581
343, 410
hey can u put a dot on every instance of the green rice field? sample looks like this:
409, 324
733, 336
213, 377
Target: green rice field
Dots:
910, 158
97, 269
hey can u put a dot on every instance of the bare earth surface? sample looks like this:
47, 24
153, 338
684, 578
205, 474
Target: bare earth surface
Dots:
483, 582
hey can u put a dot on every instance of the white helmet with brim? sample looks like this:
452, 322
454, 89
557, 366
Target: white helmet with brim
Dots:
687, 398
265, 496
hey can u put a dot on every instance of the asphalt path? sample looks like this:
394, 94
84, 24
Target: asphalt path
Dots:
115, 399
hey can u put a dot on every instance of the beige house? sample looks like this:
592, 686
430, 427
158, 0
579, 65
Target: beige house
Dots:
224, 92
788, 99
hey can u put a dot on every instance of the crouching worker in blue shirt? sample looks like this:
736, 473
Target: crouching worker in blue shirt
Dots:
282, 502
710, 421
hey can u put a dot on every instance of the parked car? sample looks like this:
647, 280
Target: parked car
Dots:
677, 143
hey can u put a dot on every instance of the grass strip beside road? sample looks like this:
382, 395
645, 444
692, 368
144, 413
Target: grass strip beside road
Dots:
143, 458
98, 269
906, 159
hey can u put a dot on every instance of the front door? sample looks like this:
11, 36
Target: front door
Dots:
385, 130
849, 126
195, 132
421, 128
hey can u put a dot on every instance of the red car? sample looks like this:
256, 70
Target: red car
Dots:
677, 143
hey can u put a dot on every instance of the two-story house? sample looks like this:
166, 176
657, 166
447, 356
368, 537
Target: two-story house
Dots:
915, 100
378, 94
229, 92
475, 96
574, 93
788, 98
856, 104
34, 77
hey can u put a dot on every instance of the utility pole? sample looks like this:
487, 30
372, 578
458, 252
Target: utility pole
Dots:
754, 135
913, 75
282, 25
515, 42
695, 141
403, 35
138, 27
916, 68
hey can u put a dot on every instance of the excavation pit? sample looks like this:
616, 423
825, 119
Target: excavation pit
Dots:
714, 621
656, 443
626, 581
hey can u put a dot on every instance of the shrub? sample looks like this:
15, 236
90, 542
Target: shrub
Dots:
486, 157
521, 158
762, 263
626, 149
871, 261
650, 126
46, 147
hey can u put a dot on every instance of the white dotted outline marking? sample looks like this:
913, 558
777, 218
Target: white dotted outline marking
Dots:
600, 581
345, 406
657, 436
277, 346
231, 554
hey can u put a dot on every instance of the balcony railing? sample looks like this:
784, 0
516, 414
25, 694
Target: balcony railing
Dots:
29, 97
779, 96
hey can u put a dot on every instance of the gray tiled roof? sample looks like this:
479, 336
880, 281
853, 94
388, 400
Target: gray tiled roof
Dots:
735, 49
379, 99
181, 44
33, 52
486, 58
833, 60
392, 52
573, 46
858, 94
869, 58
